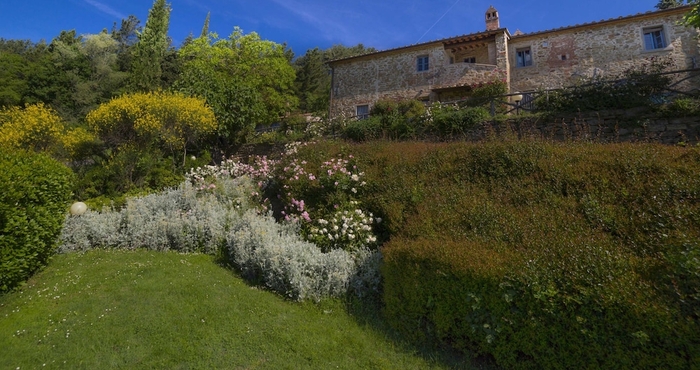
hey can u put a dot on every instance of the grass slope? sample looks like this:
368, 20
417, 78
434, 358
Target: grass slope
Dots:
116, 309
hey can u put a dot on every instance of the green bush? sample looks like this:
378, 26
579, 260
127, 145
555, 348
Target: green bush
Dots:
450, 121
365, 129
35, 193
542, 255
639, 86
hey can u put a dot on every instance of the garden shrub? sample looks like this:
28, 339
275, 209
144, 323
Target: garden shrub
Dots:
185, 219
215, 215
364, 130
35, 127
275, 256
542, 255
389, 119
39, 128
638, 86
36, 191
449, 121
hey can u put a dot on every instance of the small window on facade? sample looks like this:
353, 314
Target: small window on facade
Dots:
470, 60
524, 57
423, 63
654, 38
362, 111
563, 57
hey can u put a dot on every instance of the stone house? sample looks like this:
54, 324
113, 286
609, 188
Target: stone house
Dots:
447, 69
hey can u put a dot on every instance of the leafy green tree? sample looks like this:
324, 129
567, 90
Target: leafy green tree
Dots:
127, 37
667, 4
692, 18
151, 49
246, 80
86, 67
18, 62
13, 82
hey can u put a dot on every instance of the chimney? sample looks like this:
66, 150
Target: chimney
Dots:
492, 22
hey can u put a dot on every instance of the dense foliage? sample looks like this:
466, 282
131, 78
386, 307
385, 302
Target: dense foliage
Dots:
542, 255
638, 86
246, 80
313, 77
219, 219
148, 140
35, 194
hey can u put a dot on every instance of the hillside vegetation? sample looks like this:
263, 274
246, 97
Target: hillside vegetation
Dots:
543, 255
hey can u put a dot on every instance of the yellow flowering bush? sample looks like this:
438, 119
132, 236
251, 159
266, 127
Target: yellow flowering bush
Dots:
74, 139
164, 118
35, 126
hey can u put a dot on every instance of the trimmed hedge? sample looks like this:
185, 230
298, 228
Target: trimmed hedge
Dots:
542, 255
35, 193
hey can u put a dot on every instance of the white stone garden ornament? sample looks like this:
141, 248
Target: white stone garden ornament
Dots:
78, 208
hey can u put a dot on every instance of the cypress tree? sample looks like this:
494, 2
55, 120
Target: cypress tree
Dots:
151, 48
205, 29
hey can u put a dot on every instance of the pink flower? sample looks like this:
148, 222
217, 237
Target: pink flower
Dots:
305, 216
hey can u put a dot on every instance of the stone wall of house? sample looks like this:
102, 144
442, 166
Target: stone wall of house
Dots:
631, 125
607, 49
394, 75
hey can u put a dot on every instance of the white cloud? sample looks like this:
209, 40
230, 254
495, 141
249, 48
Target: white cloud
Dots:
104, 8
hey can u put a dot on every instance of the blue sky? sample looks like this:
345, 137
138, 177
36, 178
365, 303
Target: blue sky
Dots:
304, 24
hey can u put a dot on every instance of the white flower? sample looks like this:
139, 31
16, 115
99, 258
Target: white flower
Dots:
353, 190
355, 177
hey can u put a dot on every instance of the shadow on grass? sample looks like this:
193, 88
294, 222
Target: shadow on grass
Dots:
368, 312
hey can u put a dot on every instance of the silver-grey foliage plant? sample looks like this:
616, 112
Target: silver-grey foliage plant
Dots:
222, 218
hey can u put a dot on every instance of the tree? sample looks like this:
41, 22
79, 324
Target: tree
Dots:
18, 62
151, 49
667, 4
171, 121
246, 80
34, 127
127, 37
86, 73
205, 28
692, 18
13, 82
313, 82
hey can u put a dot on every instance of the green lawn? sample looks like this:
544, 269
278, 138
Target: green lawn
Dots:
118, 309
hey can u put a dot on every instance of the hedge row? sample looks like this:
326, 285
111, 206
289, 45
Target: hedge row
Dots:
36, 191
543, 255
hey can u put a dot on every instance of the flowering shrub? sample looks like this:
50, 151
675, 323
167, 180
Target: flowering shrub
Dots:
324, 202
172, 120
275, 256
351, 229
220, 220
36, 126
